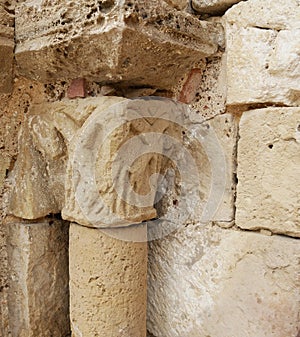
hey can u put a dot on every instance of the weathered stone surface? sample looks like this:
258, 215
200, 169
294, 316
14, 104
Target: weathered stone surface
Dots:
112, 170
6, 46
108, 279
210, 96
178, 4
39, 173
4, 166
279, 15
38, 293
225, 127
263, 41
206, 281
102, 180
190, 86
269, 171
212, 6
62, 40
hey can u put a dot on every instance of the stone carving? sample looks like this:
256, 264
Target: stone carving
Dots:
106, 162
111, 41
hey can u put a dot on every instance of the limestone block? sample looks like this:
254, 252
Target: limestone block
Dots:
225, 127
279, 15
6, 46
269, 171
129, 42
38, 294
108, 279
213, 7
263, 39
207, 281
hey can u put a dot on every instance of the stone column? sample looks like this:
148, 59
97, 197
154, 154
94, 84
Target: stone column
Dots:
108, 279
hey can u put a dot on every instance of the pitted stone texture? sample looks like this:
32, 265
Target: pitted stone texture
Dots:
6, 46
38, 294
69, 40
263, 39
214, 7
269, 171
108, 279
206, 281
178, 4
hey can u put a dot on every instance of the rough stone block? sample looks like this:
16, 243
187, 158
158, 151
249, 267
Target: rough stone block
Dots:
130, 42
263, 41
269, 171
207, 281
108, 279
38, 295
213, 7
6, 47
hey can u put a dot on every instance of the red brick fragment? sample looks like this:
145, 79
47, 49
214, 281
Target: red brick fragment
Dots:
189, 89
77, 88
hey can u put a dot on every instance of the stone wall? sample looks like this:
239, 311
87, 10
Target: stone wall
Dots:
223, 225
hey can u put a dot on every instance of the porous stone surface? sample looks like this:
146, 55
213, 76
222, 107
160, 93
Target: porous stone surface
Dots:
6, 45
38, 288
215, 7
108, 279
60, 40
207, 281
178, 4
262, 50
269, 171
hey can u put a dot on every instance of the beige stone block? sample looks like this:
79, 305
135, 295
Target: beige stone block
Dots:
262, 53
108, 280
279, 15
214, 7
207, 281
38, 294
269, 171
138, 42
